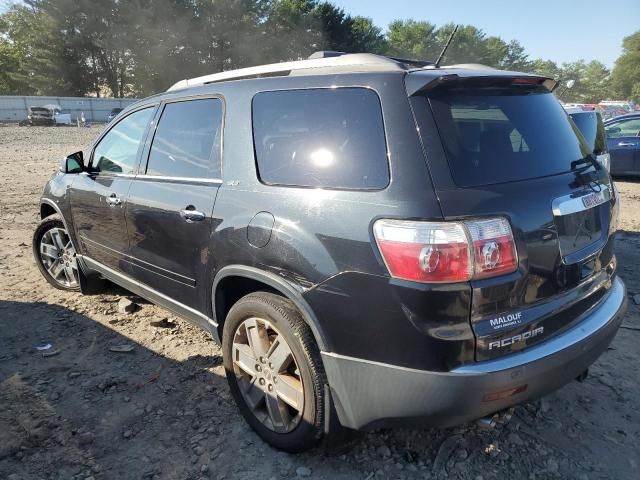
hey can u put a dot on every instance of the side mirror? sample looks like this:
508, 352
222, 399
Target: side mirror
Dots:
74, 163
613, 130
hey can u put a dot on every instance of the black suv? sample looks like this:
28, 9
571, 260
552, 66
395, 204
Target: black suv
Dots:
372, 243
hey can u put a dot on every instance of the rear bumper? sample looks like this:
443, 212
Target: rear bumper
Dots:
372, 395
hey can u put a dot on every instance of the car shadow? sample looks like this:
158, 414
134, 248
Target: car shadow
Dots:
70, 405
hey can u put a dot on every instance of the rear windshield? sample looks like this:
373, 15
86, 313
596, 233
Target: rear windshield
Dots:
592, 129
498, 136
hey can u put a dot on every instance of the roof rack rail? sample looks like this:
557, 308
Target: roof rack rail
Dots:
318, 62
412, 62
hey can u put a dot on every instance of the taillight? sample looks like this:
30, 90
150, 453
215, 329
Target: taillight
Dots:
493, 247
446, 252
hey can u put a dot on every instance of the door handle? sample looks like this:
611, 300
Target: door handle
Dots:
113, 200
626, 144
190, 214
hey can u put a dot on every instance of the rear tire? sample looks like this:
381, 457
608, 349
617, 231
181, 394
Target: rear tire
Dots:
274, 371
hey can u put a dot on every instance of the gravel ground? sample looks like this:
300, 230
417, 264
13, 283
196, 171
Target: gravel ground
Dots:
163, 411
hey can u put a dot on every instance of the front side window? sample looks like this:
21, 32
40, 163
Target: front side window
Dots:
187, 140
331, 138
624, 128
117, 151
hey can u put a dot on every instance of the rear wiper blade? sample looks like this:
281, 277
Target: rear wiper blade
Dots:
586, 162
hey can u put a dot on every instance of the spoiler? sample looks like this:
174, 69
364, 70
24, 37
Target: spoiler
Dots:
418, 82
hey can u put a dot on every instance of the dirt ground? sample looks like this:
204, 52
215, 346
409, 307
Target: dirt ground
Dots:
163, 411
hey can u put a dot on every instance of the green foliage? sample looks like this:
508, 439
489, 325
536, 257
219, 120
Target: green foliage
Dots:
625, 77
138, 47
412, 39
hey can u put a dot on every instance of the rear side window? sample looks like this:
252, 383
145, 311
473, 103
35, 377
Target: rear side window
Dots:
500, 136
624, 128
332, 138
187, 140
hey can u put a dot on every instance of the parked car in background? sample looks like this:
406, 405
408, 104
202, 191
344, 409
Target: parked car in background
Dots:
623, 141
47, 115
113, 114
591, 125
38, 116
613, 108
388, 243
60, 116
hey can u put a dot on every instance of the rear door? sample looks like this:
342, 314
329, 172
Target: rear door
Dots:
169, 211
509, 150
98, 198
623, 143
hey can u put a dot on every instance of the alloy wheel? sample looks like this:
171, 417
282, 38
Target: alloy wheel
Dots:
268, 375
59, 257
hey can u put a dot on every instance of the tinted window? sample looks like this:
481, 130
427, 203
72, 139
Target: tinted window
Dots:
592, 129
187, 140
117, 151
320, 138
624, 128
499, 136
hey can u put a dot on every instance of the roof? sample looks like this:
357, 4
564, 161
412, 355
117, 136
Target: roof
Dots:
338, 63
622, 117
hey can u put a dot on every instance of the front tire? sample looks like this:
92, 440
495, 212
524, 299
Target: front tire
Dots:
55, 255
274, 371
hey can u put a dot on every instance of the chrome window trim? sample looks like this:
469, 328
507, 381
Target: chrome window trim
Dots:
167, 178
568, 204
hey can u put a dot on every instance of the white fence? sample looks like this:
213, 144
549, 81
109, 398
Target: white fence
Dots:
14, 108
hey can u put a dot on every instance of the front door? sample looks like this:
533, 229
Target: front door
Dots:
623, 143
98, 198
170, 207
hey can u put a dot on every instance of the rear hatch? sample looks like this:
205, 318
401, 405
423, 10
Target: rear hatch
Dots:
504, 147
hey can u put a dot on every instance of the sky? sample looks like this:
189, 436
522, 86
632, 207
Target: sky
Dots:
562, 31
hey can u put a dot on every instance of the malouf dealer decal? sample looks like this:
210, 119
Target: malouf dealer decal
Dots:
506, 321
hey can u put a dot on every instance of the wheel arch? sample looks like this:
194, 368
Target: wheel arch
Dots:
254, 279
49, 207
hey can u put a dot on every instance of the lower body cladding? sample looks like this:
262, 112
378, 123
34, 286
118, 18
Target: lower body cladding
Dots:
372, 395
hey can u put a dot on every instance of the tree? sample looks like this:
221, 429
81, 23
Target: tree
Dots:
366, 37
42, 63
545, 68
625, 77
412, 39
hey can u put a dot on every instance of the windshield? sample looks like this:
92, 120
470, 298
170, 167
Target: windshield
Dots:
498, 136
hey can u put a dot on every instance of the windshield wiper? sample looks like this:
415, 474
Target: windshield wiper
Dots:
586, 162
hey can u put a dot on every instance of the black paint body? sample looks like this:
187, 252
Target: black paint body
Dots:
318, 243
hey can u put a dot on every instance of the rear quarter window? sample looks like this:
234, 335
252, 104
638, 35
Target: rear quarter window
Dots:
326, 138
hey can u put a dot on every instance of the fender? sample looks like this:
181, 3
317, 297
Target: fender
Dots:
70, 232
287, 289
